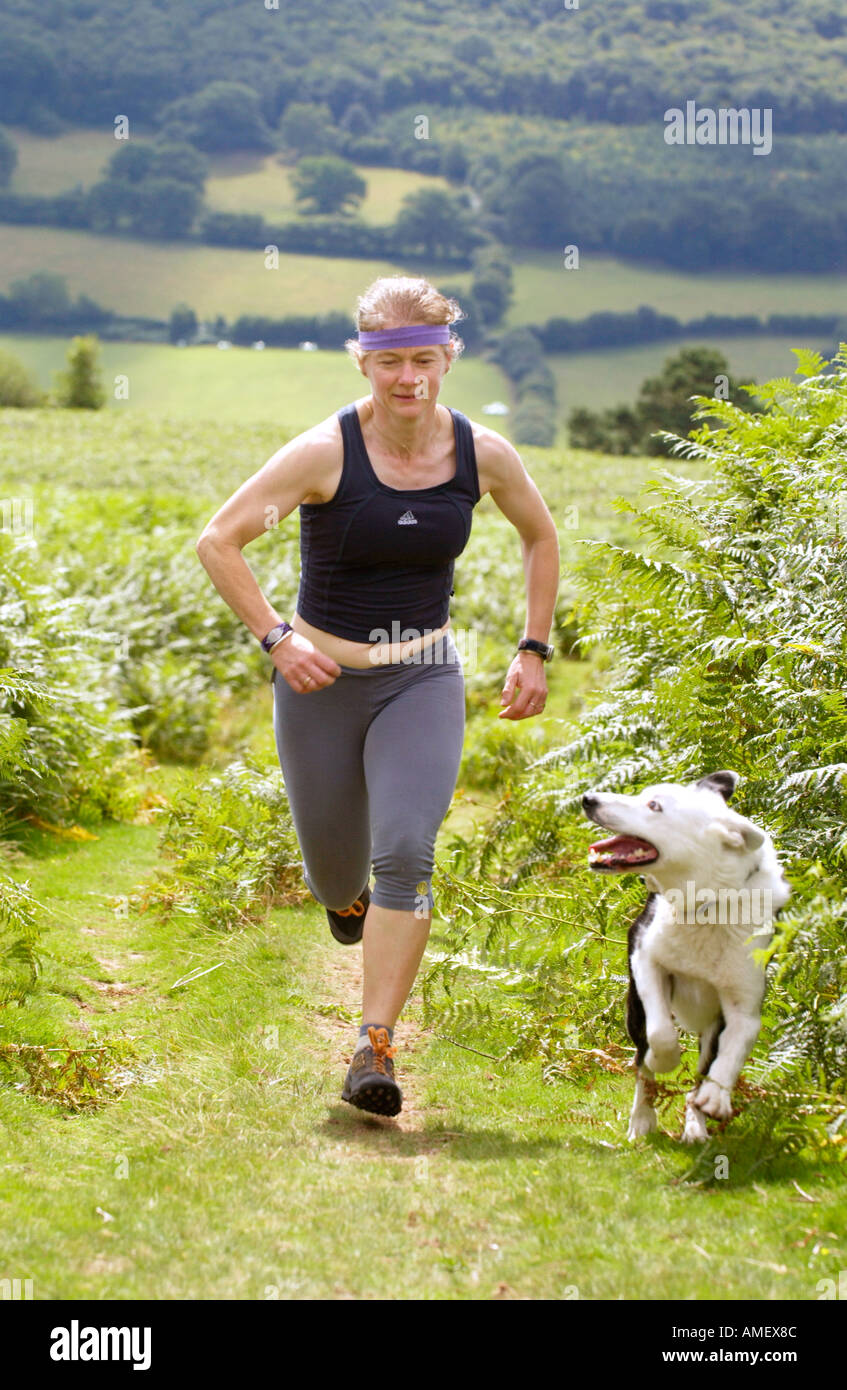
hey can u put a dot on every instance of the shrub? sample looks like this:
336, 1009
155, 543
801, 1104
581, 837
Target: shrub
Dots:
80, 386
729, 651
17, 386
232, 849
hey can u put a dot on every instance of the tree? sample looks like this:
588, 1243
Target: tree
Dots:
165, 208
177, 159
221, 116
80, 386
41, 297
536, 201
328, 183
307, 128
136, 162
454, 163
132, 162
435, 222
112, 202
664, 401
182, 323
356, 120
8, 159
17, 386
27, 70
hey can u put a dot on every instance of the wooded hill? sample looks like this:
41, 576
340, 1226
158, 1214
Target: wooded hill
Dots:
552, 118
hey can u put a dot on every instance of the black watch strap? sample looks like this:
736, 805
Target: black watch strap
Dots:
529, 644
274, 635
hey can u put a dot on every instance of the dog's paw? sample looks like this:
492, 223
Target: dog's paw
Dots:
664, 1052
714, 1100
694, 1130
641, 1122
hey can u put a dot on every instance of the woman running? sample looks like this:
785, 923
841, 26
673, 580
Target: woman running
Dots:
369, 707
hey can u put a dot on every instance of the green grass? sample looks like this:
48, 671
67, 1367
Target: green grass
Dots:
49, 164
544, 289
259, 183
226, 1169
613, 376
239, 182
281, 386
149, 278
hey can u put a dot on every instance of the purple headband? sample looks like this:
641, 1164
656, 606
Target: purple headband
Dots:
413, 335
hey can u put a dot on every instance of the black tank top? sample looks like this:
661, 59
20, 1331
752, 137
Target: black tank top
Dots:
376, 556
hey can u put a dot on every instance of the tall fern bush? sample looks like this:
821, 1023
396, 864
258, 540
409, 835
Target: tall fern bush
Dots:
727, 629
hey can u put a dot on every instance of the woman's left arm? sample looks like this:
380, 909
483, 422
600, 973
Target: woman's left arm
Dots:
525, 688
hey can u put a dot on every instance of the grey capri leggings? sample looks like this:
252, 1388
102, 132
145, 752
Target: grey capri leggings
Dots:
370, 765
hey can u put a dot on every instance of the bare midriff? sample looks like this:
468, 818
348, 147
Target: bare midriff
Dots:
363, 654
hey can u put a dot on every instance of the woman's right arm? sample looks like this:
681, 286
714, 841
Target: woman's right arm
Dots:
296, 471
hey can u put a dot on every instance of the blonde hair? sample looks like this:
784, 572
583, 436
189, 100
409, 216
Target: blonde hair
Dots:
399, 300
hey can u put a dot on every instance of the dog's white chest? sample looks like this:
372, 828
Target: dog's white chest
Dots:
718, 955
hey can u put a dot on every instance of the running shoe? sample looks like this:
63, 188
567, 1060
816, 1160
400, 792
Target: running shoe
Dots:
348, 923
370, 1084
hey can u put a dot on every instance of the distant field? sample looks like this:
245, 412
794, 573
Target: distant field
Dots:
149, 278
612, 376
247, 183
241, 182
295, 389
50, 164
544, 289
298, 388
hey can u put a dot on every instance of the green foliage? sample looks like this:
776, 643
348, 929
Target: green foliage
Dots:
17, 385
307, 128
8, 158
80, 386
232, 849
729, 651
58, 730
182, 323
221, 116
437, 224
19, 933
327, 184
40, 297
665, 403
520, 355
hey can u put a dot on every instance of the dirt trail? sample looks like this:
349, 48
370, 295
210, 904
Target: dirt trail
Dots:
342, 976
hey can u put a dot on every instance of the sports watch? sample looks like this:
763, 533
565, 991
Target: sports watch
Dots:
275, 635
529, 644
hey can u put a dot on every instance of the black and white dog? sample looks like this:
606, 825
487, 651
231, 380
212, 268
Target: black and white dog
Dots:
714, 885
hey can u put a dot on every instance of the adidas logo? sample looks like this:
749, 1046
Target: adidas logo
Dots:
407, 519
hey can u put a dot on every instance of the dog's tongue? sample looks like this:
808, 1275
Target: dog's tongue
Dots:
624, 849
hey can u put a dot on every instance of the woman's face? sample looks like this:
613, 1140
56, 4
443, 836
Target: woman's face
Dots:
404, 379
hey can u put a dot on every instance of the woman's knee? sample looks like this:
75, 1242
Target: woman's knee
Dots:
403, 862
337, 885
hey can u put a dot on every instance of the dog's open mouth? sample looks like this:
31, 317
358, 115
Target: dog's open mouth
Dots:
621, 852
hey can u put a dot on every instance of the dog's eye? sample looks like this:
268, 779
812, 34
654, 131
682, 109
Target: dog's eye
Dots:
654, 805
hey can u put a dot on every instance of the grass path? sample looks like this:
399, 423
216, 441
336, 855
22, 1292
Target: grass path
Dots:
234, 1171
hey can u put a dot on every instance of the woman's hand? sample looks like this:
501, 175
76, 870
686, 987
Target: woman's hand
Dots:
526, 675
302, 665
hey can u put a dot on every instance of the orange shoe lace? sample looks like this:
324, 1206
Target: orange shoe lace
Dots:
355, 910
378, 1039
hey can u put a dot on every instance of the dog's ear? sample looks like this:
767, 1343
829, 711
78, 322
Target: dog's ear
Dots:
738, 833
724, 782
